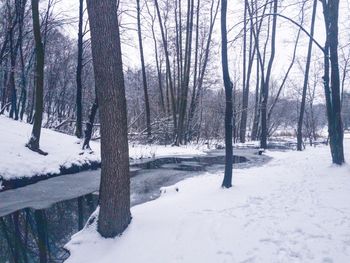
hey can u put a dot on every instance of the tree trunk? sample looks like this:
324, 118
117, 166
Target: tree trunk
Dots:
11, 83
114, 214
260, 62
144, 78
158, 63
265, 90
227, 182
186, 74
168, 67
34, 140
79, 125
306, 80
245, 92
195, 74
256, 104
23, 97
197, 86
90, 125
332, 86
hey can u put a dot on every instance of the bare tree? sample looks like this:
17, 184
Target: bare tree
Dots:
183, 94
34, 140
143, 68
306, 79
331, 80
168, 66
114, 214
227, 182
79, 117
265, 88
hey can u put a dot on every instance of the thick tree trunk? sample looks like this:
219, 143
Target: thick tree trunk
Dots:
332, 85
79, 120
114, 214
306, 80
144, 78
227, 182
34, 140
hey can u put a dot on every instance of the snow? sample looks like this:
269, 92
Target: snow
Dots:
18, 161
64, 151
293, 209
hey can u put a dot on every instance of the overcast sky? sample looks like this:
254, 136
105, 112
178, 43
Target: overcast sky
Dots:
286, 34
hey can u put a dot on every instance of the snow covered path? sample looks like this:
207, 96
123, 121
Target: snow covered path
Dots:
293, 209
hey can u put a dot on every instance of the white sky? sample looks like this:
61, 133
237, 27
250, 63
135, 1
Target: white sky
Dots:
286, 35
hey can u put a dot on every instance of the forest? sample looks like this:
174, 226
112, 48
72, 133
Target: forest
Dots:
108, 91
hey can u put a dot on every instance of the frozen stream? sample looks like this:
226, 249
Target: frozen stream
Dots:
61, 205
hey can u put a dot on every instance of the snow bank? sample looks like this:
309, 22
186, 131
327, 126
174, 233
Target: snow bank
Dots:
18, 161
64, 151
294, 209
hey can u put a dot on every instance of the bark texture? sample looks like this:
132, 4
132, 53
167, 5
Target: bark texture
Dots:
332, 81
114, 215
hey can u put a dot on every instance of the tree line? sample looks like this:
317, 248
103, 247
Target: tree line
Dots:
178, 97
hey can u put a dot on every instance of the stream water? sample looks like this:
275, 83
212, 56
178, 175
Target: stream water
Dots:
37, 220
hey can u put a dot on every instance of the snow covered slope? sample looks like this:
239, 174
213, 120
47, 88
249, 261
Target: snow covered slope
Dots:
18, 161
64, 151
294, 209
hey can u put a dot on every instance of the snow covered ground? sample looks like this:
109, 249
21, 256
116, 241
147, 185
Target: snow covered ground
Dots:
17, 161
293, 209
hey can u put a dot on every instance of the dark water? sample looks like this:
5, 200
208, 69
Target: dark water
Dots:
30, 235
187, 164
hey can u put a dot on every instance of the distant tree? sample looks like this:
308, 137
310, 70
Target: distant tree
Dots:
197, 90
245, 91
265, 88
143, 68
114, 214
227, 182
34, 140
183, 92
306, 79
168, 66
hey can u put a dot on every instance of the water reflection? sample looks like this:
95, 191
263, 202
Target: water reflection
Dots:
32, 235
